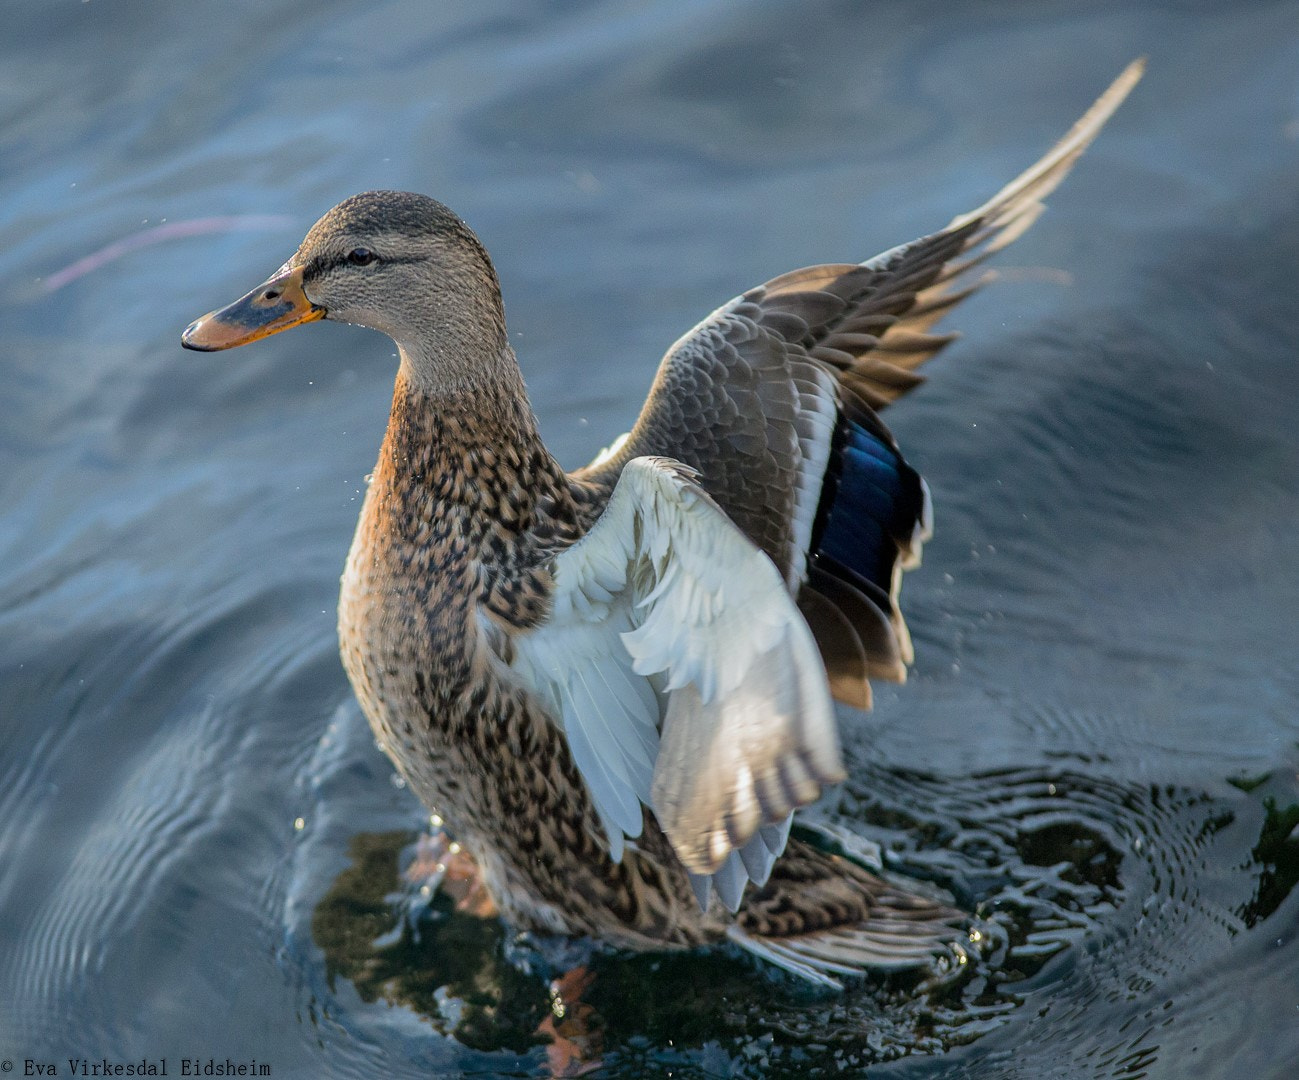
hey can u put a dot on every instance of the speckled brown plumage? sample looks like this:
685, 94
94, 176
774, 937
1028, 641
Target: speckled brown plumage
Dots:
451, 556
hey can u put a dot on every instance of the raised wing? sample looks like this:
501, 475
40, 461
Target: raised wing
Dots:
773, 400
664, 591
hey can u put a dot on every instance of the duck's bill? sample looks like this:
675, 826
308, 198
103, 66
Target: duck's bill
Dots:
275, 305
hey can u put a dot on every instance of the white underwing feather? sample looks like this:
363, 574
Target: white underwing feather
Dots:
685, 679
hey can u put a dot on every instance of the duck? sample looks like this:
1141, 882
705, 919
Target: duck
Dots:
617, 685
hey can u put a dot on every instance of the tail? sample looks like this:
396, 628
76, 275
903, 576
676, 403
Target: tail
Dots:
821, 915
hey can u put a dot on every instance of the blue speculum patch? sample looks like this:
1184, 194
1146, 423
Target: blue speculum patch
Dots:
874, 501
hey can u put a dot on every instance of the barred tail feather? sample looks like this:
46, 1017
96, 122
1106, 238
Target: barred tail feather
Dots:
822, 916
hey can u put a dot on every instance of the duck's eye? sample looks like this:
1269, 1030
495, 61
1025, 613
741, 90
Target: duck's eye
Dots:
361, 256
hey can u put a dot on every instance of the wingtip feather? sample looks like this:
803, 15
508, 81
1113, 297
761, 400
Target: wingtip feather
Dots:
1046, 173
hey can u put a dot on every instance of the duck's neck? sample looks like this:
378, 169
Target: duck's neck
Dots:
476, 427
466, 491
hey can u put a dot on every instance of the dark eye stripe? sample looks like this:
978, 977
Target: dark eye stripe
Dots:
323, 264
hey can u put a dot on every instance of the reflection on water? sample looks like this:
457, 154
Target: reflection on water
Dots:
1276, 855
1097, 754
449, 966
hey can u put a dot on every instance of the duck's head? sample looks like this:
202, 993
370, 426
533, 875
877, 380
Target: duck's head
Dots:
391, 260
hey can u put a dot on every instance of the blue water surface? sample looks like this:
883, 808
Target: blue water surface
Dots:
1098, 750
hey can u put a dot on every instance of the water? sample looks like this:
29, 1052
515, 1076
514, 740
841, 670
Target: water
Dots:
1098, 750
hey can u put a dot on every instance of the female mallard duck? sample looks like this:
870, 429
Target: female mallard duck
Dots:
616, 684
